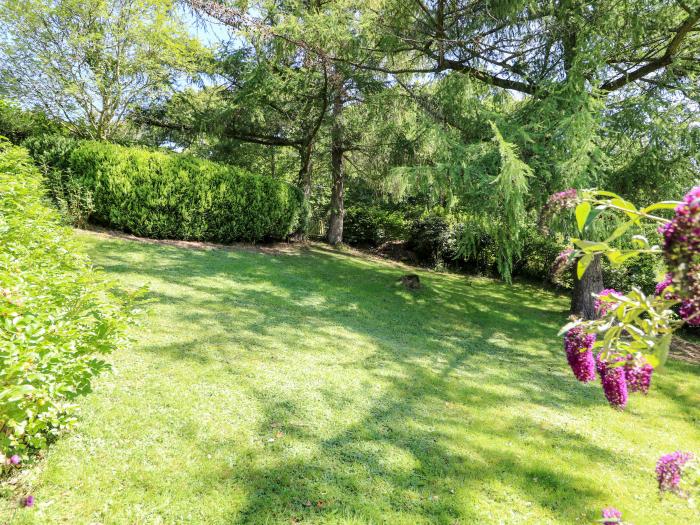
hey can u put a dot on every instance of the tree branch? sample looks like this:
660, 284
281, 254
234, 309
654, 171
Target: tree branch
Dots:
660, 62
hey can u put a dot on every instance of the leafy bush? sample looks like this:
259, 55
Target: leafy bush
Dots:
70, 195
641, 271
371, 225
433, 240
166, 195
58, 315
538, 255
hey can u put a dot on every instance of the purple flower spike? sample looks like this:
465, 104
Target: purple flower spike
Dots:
578, 346
612, 512
669, 470
15, 459
638, 376
682, 252
28, 501
557, 203
615, 386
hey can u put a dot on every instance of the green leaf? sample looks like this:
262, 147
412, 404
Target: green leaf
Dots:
640, 241
591, 246
662, 348
619, 231
617, 257
664, 205
582, 212
583, 264
627, 205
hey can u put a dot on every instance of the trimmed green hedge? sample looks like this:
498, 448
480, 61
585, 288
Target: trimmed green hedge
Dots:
175, 196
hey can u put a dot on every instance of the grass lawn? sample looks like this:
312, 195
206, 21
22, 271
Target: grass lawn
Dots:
310, 387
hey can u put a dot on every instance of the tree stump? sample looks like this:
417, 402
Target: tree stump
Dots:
410, 281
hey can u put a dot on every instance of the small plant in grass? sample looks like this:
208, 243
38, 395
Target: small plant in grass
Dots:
58, 315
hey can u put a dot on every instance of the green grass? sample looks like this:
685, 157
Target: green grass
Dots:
310, 387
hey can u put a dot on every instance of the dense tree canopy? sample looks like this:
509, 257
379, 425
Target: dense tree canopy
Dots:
91, 62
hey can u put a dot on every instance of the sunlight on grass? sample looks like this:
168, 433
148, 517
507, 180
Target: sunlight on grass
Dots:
310, 386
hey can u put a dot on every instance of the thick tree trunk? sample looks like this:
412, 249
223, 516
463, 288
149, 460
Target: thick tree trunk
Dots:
335, 224
582, 300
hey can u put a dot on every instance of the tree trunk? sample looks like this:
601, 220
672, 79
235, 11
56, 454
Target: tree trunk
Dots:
305, 169
335, 224
582, 300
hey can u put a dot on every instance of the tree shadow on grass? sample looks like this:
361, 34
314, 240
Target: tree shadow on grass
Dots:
448, 358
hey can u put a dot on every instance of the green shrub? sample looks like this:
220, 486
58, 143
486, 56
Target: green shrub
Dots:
371, 226
167, 195
70, 195
641, 271
58, 315
433, 239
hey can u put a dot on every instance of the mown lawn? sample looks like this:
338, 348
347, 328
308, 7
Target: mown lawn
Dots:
309, 387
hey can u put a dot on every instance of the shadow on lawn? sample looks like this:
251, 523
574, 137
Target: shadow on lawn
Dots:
435, 414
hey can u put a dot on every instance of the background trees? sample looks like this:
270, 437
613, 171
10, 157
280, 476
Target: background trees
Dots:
450, 120
90, 63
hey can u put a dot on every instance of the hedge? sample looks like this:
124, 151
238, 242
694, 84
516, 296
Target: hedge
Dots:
169, 195
58, 314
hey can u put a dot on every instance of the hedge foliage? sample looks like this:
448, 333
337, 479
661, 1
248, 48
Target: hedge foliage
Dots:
58, 314
168, 195
371, 226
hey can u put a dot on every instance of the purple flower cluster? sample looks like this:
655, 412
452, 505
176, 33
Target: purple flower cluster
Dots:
555, 204
682, 253
561, 263
661, 287
13, 460
578, 345
602, 306
614, 383
669, 469
690, 308
28, 501
613, 513
638, 377
619, 381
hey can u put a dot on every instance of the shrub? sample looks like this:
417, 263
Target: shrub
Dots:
167, 195
371, 225
641, 271
58, 315
70, 195
432, 239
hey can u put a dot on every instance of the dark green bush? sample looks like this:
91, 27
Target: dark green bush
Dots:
371, 225
433, 239
70, 194
58, 314
167, 195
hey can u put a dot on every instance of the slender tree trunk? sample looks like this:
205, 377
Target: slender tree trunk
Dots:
582, 300
305, 169
335, 224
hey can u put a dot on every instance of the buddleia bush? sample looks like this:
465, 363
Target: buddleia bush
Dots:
59, 316
167, 195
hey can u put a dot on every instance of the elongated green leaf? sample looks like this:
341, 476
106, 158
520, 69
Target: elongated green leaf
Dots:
603, 193
582, 211
583, 264
662, 348
617, 257
619, 231
664, 205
